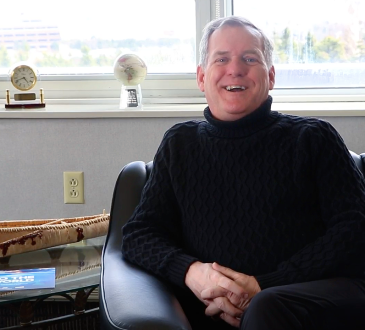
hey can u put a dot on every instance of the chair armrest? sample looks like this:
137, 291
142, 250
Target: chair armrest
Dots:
134, 299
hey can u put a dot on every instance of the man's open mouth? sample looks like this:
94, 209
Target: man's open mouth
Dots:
235, 88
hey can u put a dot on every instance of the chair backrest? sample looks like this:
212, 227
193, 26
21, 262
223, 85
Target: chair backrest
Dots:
359, 161
126, 196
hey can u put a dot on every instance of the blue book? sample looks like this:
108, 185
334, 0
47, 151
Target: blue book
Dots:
26, 279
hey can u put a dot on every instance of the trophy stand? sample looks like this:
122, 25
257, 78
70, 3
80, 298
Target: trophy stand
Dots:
21, 97
131, 97
130, 70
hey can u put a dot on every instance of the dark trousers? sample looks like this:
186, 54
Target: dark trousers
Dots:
331, 304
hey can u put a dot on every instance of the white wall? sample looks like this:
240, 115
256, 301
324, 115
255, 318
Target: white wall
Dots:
34, 153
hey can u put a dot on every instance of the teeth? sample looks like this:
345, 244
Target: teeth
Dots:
229, 88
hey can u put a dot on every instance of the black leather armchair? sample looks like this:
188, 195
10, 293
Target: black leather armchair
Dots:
131, 298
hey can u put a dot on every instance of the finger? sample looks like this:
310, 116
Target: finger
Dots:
217, 291
231, 286
233, 321
239, 302
212, 310
226, 271
213, 292
244, 308
227, 307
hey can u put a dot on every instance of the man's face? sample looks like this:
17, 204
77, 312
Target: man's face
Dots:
235, 79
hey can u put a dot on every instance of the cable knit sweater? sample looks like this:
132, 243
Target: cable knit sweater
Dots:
270, 195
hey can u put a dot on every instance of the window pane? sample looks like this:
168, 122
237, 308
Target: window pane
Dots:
71, 37
318, 43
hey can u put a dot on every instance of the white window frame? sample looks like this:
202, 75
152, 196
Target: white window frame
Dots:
171, 88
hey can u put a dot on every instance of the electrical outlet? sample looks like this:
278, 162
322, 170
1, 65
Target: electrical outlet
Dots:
73, 187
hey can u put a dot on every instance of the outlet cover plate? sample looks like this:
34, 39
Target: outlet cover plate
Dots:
73, 187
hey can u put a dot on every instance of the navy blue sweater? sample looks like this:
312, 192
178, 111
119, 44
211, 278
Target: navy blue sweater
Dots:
270, 195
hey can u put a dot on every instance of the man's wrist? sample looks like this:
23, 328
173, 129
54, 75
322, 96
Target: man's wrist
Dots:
190, 274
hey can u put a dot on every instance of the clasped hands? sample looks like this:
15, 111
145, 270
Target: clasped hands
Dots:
225, 292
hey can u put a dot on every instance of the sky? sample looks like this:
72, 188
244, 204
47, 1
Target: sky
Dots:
141, 19
114, 19
299, 14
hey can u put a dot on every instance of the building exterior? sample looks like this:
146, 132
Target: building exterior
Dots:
37, 34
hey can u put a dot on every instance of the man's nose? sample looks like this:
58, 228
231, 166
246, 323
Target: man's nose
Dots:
237, 67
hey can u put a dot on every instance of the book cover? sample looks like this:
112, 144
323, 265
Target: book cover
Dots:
26, 279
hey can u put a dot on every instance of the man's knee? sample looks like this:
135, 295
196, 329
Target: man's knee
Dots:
265, 299
270, 307
262, 310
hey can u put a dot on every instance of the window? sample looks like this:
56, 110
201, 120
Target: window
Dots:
90, 36
318, 43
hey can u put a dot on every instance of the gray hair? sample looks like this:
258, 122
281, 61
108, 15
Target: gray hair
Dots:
233, 21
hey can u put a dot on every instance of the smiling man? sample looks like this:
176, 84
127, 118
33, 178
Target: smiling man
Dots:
256, 218
234, 74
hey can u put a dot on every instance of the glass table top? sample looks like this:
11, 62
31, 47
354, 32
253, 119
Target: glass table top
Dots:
77, 267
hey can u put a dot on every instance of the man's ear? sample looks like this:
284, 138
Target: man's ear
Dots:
271, 78
200, 76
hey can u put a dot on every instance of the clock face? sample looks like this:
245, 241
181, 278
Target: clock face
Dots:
23, 77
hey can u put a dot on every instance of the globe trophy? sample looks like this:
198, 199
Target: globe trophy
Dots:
130, 70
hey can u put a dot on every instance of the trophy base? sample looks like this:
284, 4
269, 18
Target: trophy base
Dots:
25, 106
131, 98
34, 104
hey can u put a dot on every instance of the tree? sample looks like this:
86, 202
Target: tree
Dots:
330, 49
55, 46
87, 59
103, 60
23, 51
309, 50
287, 49
280, 54
4, 57
286, 41
360, 53
53, 60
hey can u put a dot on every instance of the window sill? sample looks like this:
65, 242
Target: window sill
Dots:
186, 110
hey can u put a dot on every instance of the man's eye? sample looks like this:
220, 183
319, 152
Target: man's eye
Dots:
221, 60
250, 60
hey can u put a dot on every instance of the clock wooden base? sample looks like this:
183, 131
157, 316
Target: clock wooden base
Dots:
25, 106
25, 97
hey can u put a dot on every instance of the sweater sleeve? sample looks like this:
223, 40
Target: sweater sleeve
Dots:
152, 236
341, 194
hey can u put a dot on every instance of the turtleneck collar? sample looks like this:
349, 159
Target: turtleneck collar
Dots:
245, 126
